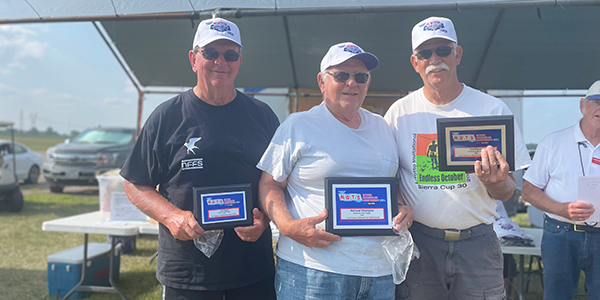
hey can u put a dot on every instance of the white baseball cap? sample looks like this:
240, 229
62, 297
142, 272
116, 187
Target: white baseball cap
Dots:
342, 52
594, 91
431, 28
216, 29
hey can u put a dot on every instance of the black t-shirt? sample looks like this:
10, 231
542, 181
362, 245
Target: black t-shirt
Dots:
224, 144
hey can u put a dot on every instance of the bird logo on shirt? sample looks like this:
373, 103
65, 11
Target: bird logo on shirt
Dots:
191, 145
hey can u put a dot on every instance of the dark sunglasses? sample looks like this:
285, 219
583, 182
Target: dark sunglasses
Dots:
343, 76
441, 51
212, 54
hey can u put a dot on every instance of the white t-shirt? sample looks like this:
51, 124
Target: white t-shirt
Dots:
312, 145
556, 165
443, 200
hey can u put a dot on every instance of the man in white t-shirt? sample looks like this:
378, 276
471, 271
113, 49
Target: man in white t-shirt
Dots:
453, 211
338, 138
569, 244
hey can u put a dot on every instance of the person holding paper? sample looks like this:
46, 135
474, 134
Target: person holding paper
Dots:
453, 211
565, 161
337, 138
209, 136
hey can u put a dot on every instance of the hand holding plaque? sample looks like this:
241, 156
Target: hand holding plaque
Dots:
360, 205
492, 167
220, 207
462, 139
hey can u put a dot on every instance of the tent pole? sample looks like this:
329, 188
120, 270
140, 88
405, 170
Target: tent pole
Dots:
291, 56
487, 47
129, 74
140, 110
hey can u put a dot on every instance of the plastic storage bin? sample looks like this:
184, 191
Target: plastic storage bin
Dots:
109, 183
64, 269
127, 242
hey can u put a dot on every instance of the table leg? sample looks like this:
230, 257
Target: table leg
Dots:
90, 288
521, 275
84, 265
110, 268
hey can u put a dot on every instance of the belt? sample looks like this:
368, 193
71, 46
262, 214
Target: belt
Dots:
453, 234
572, 227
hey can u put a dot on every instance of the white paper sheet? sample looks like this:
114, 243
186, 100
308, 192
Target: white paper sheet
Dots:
121, 209
589, 191
503, 226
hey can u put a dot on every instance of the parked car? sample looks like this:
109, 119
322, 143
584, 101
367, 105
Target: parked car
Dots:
89, 154
29, 163
10, 193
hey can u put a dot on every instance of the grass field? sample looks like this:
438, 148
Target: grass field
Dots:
25, 246
38, 144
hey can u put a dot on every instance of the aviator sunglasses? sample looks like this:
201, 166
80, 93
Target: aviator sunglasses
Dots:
441, 51
343, 76
212, 54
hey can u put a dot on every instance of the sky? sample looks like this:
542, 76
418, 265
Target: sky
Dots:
62, 75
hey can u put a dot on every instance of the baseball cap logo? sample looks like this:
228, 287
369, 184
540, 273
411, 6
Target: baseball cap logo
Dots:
433, 26
352, 49
220, 26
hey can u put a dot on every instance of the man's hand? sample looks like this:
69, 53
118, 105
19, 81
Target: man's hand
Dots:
487, 169
304, 231
492, 171
404, 218
252, 233
183, 225
577, 211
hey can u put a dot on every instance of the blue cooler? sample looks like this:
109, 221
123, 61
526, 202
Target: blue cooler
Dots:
64, 269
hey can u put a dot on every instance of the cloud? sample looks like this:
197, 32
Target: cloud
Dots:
17, 44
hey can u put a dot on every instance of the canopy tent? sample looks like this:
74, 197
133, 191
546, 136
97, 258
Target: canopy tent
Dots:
507, 44
522, 45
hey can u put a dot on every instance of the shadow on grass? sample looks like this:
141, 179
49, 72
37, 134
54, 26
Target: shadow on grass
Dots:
32, 284
32, 208
22, 284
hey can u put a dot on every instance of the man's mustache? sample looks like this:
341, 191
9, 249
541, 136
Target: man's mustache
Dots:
436, 68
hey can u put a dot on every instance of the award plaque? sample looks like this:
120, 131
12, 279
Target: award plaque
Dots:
220, 207
461, 140
360, 205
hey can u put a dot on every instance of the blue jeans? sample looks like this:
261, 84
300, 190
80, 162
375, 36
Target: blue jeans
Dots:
565, 254
296, 282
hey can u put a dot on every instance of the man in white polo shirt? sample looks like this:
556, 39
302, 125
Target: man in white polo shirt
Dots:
453, 211
569, 244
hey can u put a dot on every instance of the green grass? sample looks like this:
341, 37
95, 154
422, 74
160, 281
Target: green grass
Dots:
35, 143
25, 246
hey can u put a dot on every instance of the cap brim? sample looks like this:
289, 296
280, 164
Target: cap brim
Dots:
593, 97
369, 59
433, 37
216, 38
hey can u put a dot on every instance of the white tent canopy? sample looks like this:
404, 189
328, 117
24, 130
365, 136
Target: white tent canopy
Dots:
507, 44
517, 45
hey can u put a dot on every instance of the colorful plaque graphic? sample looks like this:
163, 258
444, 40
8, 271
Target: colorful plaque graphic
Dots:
222, 207
462, 139
360, 205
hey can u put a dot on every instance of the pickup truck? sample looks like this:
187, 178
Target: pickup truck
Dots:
94, 151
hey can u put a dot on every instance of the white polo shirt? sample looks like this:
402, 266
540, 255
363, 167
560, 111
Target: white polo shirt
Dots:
557, 165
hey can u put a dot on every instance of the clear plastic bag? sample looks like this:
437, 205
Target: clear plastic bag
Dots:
400, 251
209, 242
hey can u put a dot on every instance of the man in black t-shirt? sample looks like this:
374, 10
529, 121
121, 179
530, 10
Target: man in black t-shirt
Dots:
211, 135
